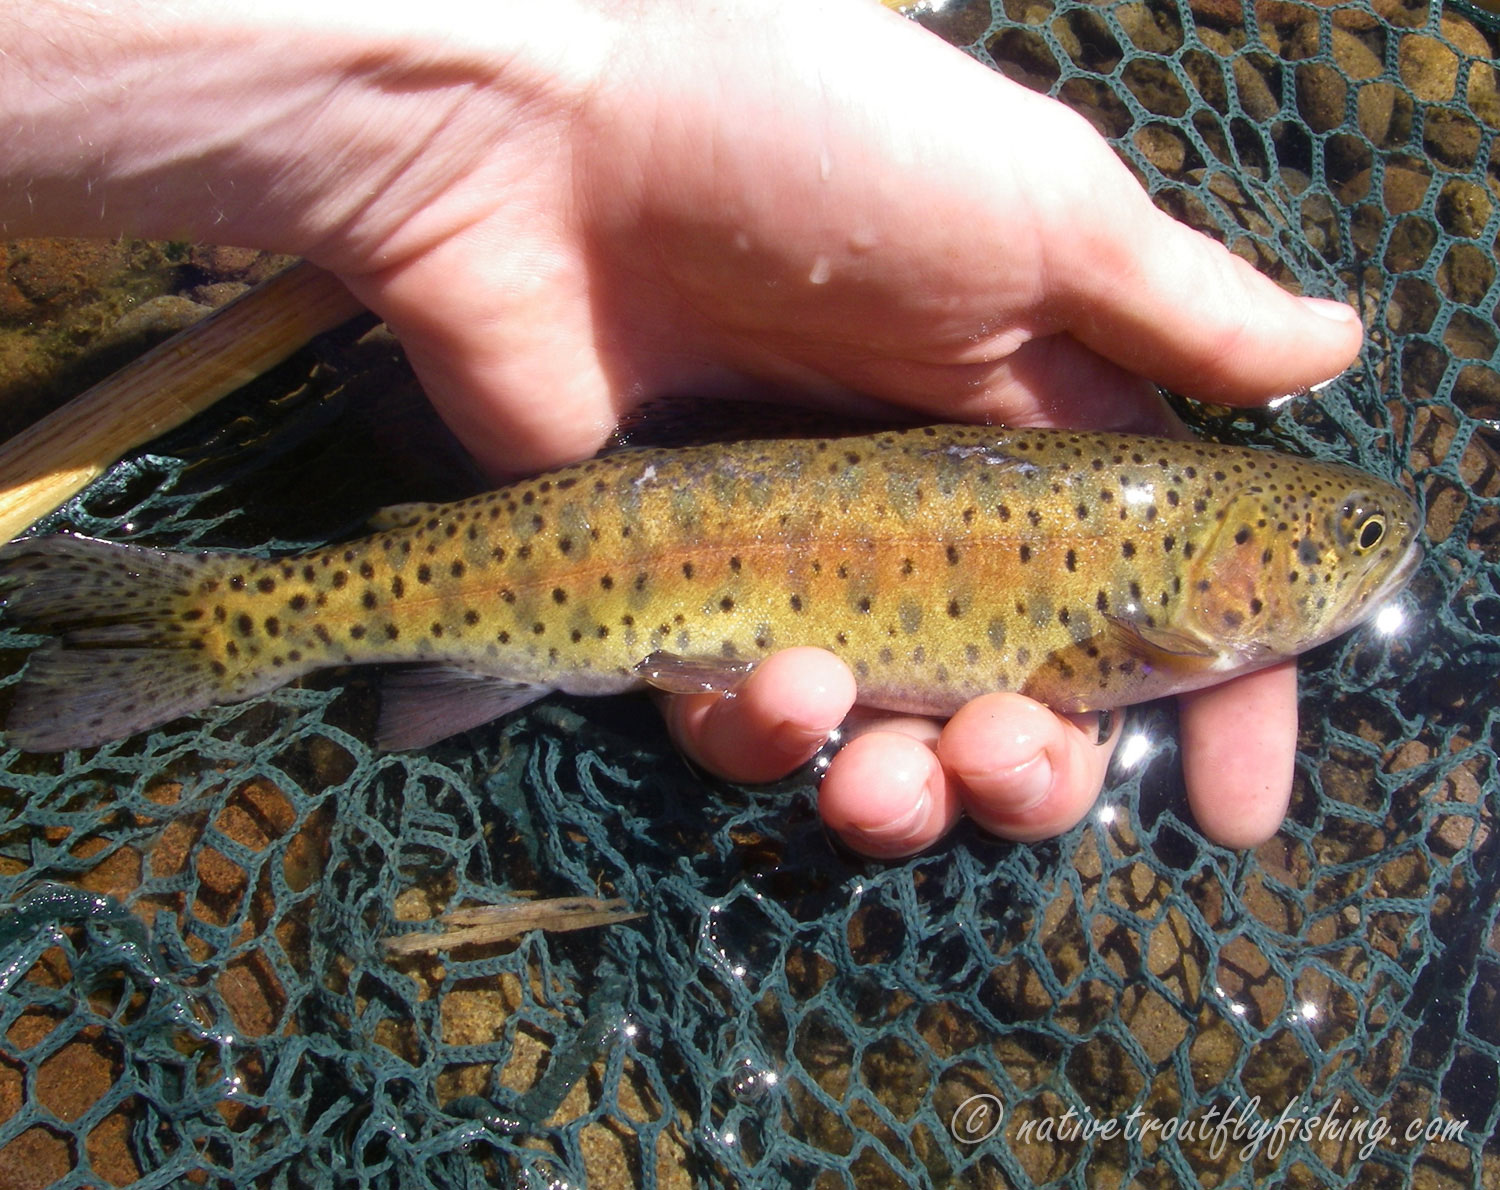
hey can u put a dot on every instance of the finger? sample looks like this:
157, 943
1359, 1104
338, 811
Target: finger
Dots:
1026, 773
503, 352
1165, 301
1049, 381
886, 795
1239, 748
776, 720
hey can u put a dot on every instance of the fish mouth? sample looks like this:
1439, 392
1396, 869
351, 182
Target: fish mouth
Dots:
1391, 585
1403, 571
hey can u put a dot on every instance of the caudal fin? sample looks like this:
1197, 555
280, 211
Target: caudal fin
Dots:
130, 653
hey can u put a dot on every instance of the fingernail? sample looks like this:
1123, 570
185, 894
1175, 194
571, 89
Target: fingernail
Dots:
903, 827
1029, 785
796, 739
1331, 310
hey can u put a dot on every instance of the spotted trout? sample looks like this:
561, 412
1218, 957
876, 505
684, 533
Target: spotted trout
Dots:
940, 563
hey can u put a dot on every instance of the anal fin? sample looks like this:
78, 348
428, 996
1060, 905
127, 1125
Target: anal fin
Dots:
421, 704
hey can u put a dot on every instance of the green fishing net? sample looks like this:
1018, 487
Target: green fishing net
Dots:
197, 986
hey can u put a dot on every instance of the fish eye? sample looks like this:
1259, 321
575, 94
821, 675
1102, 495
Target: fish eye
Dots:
1371, 532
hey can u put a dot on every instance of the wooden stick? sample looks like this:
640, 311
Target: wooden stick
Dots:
480, 925
45, 464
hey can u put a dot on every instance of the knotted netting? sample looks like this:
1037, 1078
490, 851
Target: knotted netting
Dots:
196, 984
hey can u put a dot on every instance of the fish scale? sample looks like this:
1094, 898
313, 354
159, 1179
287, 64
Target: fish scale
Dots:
1086, 570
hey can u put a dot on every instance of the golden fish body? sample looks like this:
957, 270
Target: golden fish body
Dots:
1085, 570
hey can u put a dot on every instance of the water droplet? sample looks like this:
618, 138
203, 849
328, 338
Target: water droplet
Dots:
750, 1082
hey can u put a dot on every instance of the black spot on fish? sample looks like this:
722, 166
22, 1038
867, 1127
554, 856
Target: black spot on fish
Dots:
357, 632
265, 584
538, 628
1127, 549
734, 564
503, 637
244, 625
392, 632
726, 604
687, 570
1242, 535
424, 573
952, 555
1071, 561
559, 595
796, 603
575, 636
565, 545
1025, 553
457, 569
366, 571
1168, 543
471, 617
369, 600
954, 609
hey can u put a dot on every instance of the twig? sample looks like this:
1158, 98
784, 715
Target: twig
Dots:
483, 924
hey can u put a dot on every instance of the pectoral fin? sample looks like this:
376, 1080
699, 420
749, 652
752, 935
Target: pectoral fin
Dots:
421, 704
692, 675
1162, 647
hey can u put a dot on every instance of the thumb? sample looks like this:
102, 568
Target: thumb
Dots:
1166, 302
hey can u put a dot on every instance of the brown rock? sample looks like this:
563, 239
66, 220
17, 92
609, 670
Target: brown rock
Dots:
1428, 67
1452, 139
49, 274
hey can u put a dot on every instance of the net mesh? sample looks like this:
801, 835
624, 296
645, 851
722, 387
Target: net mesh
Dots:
196, 984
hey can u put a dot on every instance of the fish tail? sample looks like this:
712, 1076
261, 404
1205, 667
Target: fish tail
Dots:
132, 649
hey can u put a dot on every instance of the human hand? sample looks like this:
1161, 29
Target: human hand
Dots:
811, 207
568, 212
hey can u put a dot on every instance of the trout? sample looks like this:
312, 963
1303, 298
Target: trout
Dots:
1085, 570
